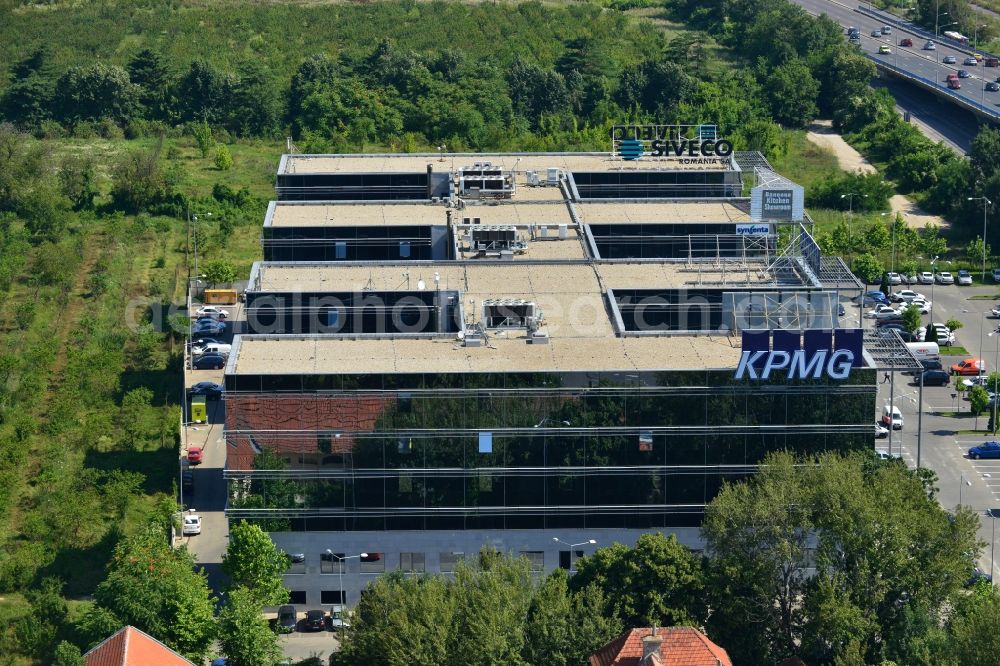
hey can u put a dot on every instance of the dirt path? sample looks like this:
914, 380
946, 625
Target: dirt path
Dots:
822, 134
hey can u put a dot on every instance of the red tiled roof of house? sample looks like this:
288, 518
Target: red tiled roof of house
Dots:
131, 647
681, 646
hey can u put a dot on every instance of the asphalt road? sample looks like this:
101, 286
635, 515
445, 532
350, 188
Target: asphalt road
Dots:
956, 125
944, 444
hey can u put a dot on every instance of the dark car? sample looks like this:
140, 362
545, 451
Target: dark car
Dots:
962, 74
187, 480
286, 619
209, 362
874, 298
315, 620
992, 86
210, 328
840, 310
935, 378
985, 450
210, 390
928, 363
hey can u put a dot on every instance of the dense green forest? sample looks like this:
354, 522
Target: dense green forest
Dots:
117, 119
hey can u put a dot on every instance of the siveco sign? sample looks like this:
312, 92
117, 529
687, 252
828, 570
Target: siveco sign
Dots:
799, 363
632, 141
809, 354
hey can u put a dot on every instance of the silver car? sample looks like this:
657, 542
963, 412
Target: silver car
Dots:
926, 277
945, 278
964, 277
949, 60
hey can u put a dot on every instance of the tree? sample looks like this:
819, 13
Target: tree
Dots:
792, 92
223, 158
137, 182
867, 268
954, 324
97, 91
984, 153
254, 562
148, 70
203, 136
132, 416
972, 641
492, 600
244, 634
911, 318
979, 399
78, 181
757, 540
563, 629
884, 286
402, 620
67, 654
658, 581
877, 237
155, 588
219, 271
977, 250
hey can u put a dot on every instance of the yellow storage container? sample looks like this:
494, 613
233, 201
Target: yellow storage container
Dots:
220, 297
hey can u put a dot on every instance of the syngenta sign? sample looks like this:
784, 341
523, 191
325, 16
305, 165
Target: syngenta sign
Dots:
668, 141
800, 364
810, 354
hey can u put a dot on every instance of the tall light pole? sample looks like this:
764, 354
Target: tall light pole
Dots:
937, 16
850, 212
194, 234
986, 204
572, 546
343, 601
975, 37
933, 282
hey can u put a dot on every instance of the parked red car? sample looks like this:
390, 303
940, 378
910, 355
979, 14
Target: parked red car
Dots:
194, 455
969, 366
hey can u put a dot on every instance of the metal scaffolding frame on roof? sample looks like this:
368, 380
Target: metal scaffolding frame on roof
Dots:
889, 353
834, 273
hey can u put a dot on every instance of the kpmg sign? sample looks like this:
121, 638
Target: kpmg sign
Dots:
630, 142
809, 354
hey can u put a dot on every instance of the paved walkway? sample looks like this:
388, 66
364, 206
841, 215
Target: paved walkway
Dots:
822, 134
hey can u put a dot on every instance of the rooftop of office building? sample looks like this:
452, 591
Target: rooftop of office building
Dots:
418, 162
528, 206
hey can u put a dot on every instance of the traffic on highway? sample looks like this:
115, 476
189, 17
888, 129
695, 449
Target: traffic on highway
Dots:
977, 84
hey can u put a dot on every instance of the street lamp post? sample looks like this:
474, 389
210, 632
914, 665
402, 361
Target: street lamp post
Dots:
572, 546
937, 16
343, 601
986, 204
975, 37
933, 282
850, 211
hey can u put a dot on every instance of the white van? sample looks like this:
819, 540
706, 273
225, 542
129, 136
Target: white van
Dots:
896, 417
213, 348
924, 351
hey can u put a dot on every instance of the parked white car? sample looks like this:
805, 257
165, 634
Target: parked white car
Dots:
945, 277
944, 336
996, 310
882, 312
212, 311
881, 432
192, 524
964, 277
926, 277
922, 304
894, 278
906, 295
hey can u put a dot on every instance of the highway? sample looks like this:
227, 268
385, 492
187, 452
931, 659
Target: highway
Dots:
922, 63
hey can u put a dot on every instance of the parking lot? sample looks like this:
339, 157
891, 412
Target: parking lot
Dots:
947, 424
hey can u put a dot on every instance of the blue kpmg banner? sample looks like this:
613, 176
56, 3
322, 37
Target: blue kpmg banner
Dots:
808, 354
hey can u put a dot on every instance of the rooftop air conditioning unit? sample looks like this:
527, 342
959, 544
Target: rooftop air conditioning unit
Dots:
553, 176
533, 178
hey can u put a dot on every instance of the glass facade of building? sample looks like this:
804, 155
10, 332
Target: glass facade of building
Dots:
517, 451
